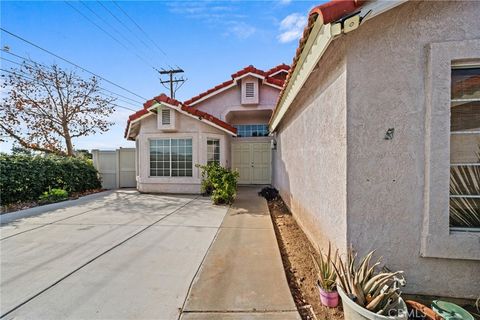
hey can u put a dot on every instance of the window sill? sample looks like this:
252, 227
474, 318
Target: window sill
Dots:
464, 245
173, 180
462, 230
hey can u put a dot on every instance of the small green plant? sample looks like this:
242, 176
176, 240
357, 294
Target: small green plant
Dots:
378, 292
326, 270
218, 182
53, 195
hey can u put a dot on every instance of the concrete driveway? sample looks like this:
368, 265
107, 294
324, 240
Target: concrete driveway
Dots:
121, 255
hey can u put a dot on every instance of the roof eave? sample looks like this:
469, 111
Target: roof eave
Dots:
303, 67
179, 109
208, 96
317, 42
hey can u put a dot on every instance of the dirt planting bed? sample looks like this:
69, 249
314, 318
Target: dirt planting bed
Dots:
296, 249
31, 204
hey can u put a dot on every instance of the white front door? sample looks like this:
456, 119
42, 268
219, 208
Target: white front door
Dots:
253, 160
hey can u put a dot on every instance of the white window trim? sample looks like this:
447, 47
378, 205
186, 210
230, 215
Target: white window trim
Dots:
223, 145
144, 158
171, 161
255, 99
437, 239
219, 149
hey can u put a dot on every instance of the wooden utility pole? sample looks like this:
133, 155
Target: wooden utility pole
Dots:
173, 83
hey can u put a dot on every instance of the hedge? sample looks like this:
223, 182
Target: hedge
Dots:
25, 178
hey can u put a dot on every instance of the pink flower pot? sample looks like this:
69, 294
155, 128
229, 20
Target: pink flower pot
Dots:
329, 299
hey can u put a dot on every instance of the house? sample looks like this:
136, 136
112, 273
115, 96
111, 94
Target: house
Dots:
377, 132
227, 124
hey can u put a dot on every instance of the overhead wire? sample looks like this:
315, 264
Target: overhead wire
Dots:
134, 48
142, 31
45, 66
124, 25
109, 34
72, 63
32, 79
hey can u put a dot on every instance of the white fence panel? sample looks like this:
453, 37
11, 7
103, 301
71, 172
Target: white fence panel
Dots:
116, 167
127, 173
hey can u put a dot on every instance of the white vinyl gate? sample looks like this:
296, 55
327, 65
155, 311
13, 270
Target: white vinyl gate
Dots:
116, 167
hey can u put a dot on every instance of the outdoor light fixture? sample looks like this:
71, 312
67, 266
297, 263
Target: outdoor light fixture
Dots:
273, 144
351, 23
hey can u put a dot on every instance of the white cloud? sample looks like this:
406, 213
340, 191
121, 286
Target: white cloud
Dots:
291, 27
285, 2
241, 30
216, 14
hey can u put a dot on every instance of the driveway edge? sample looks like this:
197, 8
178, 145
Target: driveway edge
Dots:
20, 214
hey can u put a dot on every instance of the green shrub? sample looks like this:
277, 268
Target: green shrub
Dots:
219, 182
53, 195
25, 178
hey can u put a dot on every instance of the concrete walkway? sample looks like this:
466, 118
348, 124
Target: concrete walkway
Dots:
242, 276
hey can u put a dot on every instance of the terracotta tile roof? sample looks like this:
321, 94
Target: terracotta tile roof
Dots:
282, 66
244, 71
249, 69
164, 98
209, 91
275, 81
328, 12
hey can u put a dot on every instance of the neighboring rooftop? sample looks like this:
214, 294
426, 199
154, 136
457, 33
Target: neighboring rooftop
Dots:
274, 77
203, 116
270, 77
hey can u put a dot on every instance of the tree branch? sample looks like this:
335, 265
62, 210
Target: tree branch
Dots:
32, 146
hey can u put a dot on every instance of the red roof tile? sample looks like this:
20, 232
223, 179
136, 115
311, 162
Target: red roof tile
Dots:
329, 12
209, 91
244, 71
275, 81
283, 66
249, 69
164, 98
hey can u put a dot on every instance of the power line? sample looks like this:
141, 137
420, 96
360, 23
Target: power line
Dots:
119, 33
32, 79
145, 44
70, 62
45, 66
109, 34
23, 74
174, 83
141, 30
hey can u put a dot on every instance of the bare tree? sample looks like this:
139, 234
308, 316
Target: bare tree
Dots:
45, 108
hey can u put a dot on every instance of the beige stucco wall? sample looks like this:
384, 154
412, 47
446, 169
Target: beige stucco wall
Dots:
359, 188
187, 127
386, 71
309, 164
222, 104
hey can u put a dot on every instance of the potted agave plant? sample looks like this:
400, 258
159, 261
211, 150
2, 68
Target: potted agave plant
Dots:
327, 278
367, 293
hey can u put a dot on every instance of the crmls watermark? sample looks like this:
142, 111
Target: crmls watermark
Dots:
411, 314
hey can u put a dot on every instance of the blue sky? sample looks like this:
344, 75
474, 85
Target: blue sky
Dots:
208, 39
